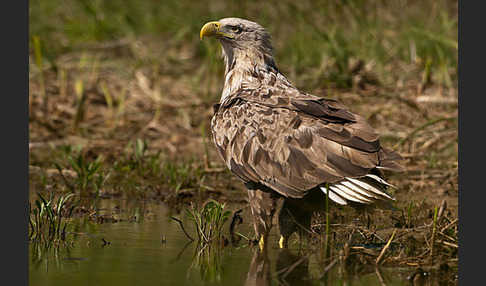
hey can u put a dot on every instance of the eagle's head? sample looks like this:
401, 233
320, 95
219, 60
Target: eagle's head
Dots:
242, 40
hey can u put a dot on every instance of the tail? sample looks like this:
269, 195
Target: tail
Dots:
368, 189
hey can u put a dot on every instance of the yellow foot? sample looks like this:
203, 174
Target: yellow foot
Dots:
261, 243
282, 242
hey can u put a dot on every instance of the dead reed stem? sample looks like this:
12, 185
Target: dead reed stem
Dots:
433, 233
378, 260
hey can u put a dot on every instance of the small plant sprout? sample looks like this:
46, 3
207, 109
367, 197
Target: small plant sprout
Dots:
49, 219
209, 221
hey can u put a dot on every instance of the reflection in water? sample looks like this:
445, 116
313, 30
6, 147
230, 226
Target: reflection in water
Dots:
154, 251
295, 269
290, 269
41, 252
208, 259
259, 272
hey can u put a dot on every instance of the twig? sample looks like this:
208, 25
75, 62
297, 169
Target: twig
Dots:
211, 189
309, 231
436, 99
447, 236
180, 252
433, 233
182, 227
214, 170
59, 169
244, 236
427, 124
347, 246
380, 277
105, 242
448, 243
236, 220
328, 267
449, 225
292, 267
386, 247
443, 207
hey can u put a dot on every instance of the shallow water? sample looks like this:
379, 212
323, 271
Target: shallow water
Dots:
135, 253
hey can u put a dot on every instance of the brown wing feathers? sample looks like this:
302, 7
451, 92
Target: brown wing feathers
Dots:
291, 150
323, 111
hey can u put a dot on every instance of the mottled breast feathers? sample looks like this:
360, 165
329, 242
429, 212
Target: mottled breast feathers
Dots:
292, 141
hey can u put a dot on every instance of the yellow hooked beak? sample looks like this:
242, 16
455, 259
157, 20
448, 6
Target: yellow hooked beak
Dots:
212, 29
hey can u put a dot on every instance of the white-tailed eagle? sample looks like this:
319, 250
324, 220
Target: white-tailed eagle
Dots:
285, 143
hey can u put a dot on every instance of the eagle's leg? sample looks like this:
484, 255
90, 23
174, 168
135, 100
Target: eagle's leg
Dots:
286, 225
291, 219
263, 203
296, 215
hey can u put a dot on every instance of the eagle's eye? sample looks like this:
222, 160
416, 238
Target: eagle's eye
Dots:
236, 29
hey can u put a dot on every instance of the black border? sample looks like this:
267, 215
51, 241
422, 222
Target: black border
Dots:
14, 141
472, 88
14, 117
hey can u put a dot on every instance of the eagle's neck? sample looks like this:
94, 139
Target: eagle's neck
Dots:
247, 68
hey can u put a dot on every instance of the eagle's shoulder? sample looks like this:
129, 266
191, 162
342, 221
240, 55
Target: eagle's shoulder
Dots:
284, 96
328, 117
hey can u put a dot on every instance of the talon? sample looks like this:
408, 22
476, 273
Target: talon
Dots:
261, 243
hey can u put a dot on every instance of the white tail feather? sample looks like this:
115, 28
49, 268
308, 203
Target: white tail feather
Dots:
353, 193
368, 187
360, 190
334, 197
344, 194
376, 178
